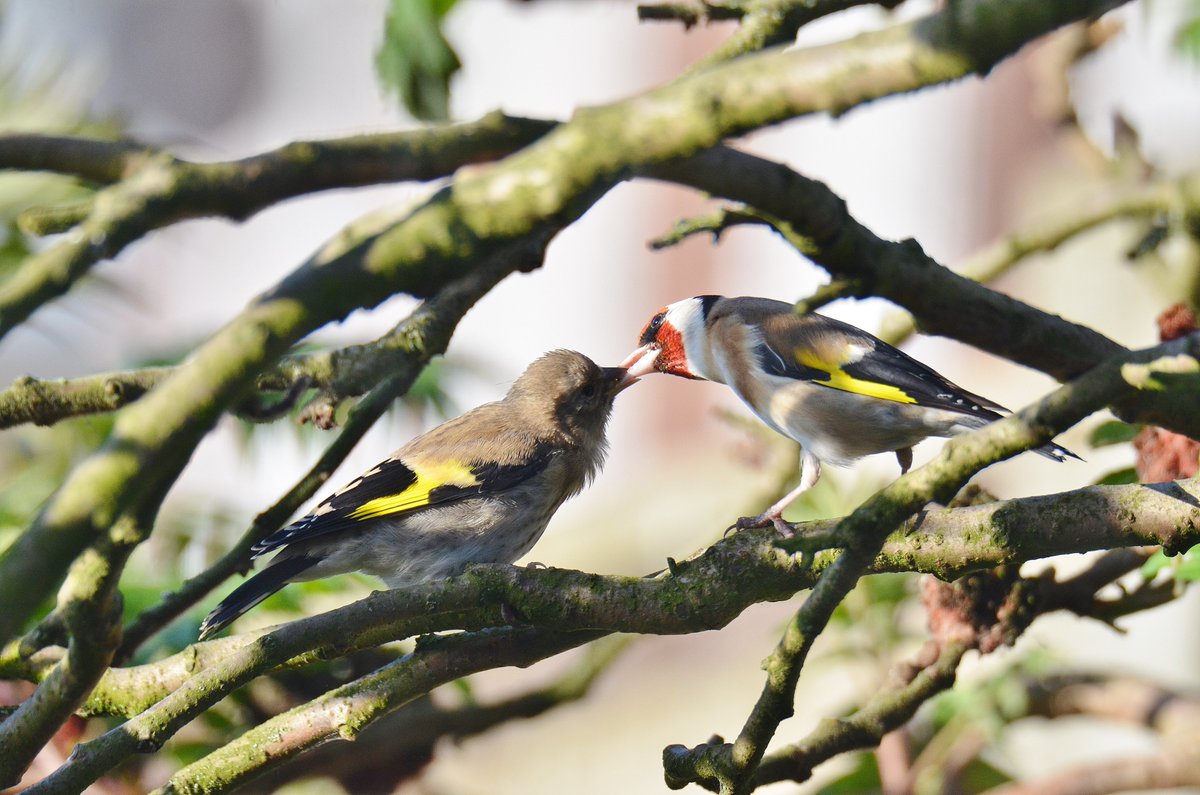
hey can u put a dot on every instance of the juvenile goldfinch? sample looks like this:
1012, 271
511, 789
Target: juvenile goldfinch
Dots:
837, 390
478, 489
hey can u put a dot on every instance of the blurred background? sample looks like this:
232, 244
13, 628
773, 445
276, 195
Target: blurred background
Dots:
954, 167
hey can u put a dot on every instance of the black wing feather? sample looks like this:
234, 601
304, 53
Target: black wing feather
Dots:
887, 365
884, 364
393, 477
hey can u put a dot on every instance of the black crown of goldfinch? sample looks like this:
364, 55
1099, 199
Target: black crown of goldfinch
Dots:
480, 488
840, 392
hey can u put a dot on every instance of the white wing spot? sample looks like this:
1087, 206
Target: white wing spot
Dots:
855, 353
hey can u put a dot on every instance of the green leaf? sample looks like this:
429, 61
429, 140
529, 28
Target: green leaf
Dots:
465, 689
1156, 563
1184, 568
1119, 477
415, 59
13, 249
1188, 569
863, 777
979, 776
1113, 432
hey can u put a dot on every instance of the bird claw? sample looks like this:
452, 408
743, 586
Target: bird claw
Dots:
746, 523
762, 520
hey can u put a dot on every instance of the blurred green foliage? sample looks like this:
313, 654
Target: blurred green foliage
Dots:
1187, 35
1183, 568
34, 461
415, 59
1112, 432
38, 107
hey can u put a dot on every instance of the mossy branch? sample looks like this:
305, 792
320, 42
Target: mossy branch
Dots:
486, 212
863, 533
696, 598
390, 749
984, 614
349, 371
152, 189
89, 608
344, 712
95, 160
865, 727
763, 23
413, 343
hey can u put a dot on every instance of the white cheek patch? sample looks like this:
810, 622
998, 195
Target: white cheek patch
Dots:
686, 317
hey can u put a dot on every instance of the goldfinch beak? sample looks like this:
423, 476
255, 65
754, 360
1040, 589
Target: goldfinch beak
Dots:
641, 362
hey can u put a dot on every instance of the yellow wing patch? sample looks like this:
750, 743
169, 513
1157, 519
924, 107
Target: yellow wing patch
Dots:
840, 379
429, 477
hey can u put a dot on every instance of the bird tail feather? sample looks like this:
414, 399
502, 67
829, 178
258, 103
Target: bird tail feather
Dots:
1056, 452
253, 591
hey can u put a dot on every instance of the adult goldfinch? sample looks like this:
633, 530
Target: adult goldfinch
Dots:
837, 390
478, 489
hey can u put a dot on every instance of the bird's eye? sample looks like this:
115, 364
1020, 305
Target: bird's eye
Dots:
589, 390
657, 321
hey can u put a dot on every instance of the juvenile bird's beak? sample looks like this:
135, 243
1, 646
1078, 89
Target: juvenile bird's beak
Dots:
618, 378
641, 362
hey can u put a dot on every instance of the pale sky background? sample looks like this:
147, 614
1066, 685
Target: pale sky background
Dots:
951, 167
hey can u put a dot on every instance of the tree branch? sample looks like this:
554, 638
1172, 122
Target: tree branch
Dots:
864, 728
1119, 698
691, 13
344, 712
863, 534
87, 158
45, 402
764, 23
1177, 198
984, 613
497, 211
89, 607
946, 303
410, 345
157, 189
392, 748
947, 542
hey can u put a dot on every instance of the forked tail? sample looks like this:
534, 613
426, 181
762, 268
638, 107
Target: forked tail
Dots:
253, 591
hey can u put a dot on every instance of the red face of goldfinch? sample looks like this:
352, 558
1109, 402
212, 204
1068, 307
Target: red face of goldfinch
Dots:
661, 349
662, 341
